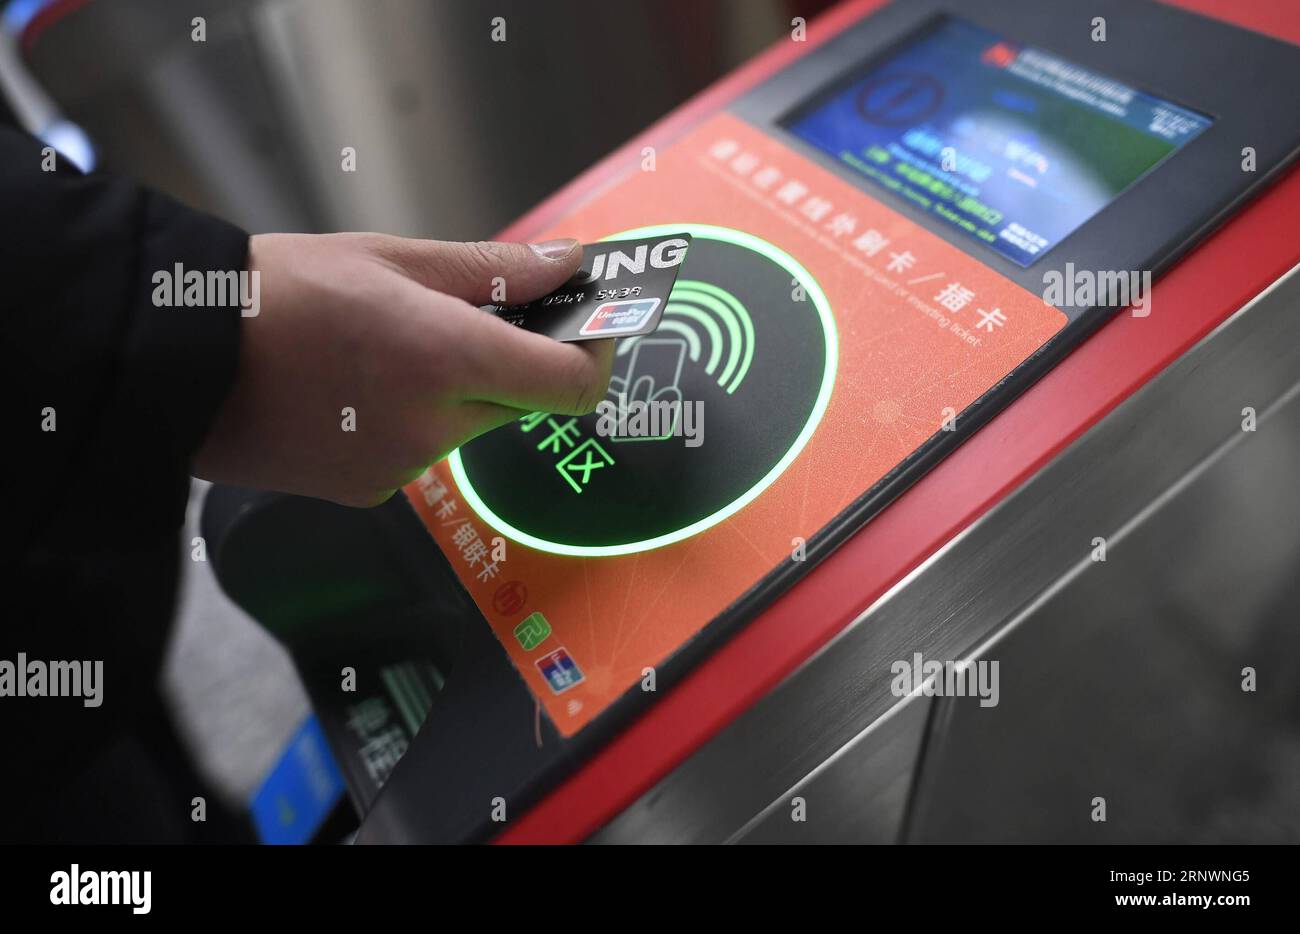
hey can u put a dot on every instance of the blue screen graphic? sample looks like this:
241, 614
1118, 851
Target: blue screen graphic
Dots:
1012, 145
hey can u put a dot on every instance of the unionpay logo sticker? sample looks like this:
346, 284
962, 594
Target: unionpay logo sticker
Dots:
614, 318
560, 670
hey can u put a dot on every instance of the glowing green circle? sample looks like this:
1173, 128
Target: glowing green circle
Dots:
815, 294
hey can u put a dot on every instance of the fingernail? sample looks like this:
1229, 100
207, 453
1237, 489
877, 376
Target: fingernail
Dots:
554, 249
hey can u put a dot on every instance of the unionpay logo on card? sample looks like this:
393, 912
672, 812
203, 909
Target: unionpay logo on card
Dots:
619, 291
614, 319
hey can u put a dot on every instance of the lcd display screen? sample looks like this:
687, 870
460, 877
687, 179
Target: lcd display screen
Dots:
1012, 145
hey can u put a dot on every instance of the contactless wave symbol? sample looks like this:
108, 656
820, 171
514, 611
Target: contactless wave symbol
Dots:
715, 327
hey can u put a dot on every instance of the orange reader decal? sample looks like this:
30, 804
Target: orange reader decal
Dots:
814, 339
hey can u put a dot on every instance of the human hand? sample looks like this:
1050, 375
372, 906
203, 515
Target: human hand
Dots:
388, 328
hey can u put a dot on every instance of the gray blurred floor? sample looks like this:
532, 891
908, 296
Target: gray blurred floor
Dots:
233, 690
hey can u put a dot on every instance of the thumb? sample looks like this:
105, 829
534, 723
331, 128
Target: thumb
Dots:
486, 271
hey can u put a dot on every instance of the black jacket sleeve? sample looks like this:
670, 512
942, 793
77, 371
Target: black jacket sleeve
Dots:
93, 506
130, 389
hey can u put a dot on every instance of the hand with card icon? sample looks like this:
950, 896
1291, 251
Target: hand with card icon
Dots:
650, 378
369, 359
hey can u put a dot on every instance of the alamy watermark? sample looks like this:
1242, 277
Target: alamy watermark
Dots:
26, 677
179, 287
78, 886
933, 678
638, 419
1084, 288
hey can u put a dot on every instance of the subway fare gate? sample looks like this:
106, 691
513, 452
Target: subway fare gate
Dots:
931, 244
